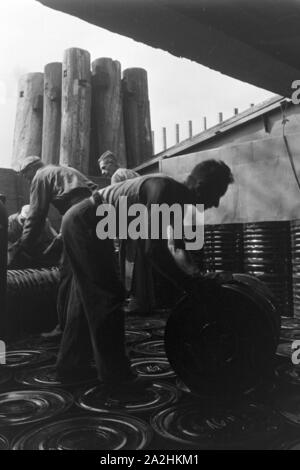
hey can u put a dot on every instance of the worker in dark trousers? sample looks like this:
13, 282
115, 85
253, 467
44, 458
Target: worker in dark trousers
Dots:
63, 187
95, 320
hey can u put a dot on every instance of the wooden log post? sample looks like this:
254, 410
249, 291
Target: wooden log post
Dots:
76, 110
164, 138
137, 120
177, 133
107, 106
190, 128
52, 113
29, 118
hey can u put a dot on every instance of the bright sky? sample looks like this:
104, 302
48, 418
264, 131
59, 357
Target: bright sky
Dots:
180, 90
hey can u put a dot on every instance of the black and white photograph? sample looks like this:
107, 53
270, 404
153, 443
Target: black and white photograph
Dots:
149, 228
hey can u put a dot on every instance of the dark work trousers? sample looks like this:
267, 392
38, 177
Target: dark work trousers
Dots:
94, 321
64, 288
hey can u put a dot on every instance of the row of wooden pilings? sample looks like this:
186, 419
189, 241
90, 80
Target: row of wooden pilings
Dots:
75, 111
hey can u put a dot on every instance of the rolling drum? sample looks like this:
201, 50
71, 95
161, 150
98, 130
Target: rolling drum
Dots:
87, 432
194, 426
151, 398
152, 368
267, 255
30, 406
221, 340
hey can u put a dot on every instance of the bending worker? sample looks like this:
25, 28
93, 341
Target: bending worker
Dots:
48, 234
95, 320
58, 185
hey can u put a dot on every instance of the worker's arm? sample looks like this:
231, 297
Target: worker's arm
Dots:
40, 198
166, 254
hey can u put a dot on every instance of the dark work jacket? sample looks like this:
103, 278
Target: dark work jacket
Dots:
148, 190
61, 186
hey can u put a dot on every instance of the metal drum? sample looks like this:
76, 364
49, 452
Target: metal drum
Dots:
224, 343
136, 336
26, 358
4, 444
152, 368
45, 377
150, 348
87, 432
30, 406
295, 242
223, 247
267, 255
193, 425
149, 399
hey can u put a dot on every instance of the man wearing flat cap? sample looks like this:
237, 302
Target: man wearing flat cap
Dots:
110, 168
58, 185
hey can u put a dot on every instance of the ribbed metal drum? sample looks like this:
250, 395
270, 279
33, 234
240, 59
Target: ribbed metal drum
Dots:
152, 368
223, 247
22, 407
192, 424
87, 432
4, 444
150, 348
267, 255
31, 302
149, 399
295, 242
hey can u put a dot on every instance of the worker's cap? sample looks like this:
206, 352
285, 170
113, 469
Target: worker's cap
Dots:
107, 156
29, 162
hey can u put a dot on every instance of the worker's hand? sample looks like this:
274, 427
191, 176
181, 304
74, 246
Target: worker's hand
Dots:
54, 245
180, 256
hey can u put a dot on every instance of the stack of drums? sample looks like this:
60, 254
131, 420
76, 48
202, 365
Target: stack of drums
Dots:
295, 241
267, 255
223, 248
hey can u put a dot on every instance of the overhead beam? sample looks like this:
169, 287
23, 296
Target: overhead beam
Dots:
157, 24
